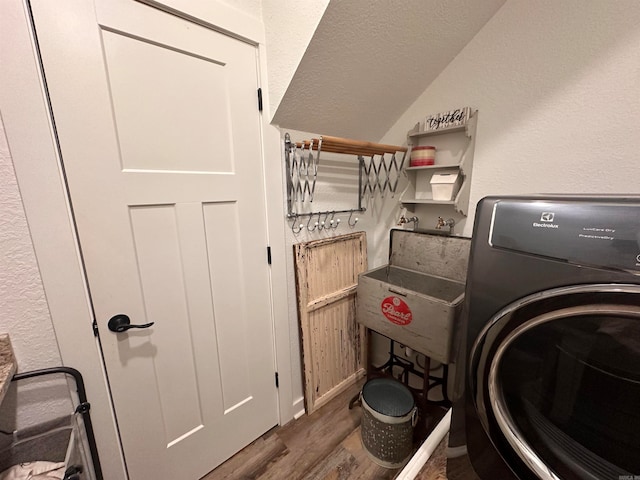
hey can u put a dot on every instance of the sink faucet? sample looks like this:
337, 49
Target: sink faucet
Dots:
413, 220
445, 223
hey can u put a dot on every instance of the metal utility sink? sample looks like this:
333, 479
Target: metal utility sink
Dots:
438, 288
417, 298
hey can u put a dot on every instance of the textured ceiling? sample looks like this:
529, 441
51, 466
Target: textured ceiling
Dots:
369, 60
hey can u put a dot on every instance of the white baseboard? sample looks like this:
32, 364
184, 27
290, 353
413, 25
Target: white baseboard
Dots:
425, 451
298, 406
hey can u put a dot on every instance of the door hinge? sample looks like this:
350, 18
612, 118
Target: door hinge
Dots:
94, 325
277, 381
260, 99
268, 254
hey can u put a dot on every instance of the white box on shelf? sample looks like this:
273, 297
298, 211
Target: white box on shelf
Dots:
445, 186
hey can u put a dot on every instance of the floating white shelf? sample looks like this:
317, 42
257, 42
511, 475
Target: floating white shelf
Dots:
433, 167
454, 149
428, 201
440, 131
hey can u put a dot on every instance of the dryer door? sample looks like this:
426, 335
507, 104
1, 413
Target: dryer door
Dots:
556, 380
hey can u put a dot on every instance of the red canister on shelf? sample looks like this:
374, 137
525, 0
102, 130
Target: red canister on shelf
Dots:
423, 155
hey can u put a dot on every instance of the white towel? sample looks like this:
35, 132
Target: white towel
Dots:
34, 471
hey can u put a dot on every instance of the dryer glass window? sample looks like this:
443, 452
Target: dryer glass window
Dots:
572, 389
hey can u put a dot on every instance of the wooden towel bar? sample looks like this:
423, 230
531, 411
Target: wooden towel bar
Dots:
348, 146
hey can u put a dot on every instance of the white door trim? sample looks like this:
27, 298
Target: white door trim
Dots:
215, 15
28, 127
26, 118
276, 227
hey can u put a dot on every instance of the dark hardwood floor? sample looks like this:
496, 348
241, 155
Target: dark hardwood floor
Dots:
323, 446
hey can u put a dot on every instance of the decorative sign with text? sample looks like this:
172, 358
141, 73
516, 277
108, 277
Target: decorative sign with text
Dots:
454, 118
396, 310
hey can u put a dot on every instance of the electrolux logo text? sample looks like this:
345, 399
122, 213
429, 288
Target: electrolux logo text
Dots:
546, 217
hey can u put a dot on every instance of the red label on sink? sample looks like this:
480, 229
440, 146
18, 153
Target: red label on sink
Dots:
396, 310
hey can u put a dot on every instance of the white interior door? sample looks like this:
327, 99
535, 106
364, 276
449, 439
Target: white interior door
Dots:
160, 137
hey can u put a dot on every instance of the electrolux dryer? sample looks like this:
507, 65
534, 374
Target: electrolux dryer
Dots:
552, 355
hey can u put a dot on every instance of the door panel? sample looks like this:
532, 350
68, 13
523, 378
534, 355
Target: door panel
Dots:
160, 138
227, 276
160, 269
156, 126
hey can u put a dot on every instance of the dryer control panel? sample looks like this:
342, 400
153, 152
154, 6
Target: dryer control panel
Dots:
588, 233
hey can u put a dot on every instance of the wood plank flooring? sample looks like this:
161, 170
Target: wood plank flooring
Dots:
325, 445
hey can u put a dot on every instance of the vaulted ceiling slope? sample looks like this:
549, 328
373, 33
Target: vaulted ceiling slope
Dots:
369, 60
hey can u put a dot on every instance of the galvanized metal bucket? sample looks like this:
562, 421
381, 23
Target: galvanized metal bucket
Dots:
389, 415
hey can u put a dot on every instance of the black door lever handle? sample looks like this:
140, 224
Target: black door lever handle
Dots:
121, 323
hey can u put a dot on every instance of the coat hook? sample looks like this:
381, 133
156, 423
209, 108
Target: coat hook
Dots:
323, 223
293, 225
332, 221
315, 225
355, 220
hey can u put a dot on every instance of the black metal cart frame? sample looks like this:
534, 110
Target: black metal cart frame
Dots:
83, 408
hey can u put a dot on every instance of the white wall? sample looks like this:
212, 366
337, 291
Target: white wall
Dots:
556, 86
24, 313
